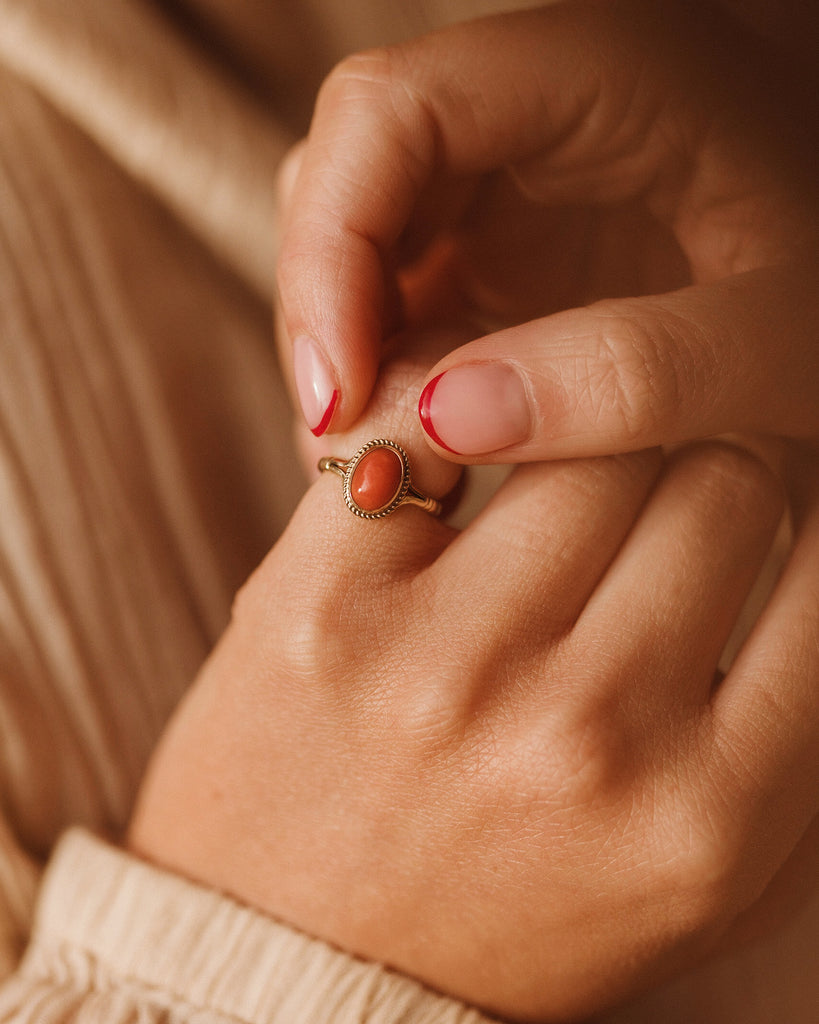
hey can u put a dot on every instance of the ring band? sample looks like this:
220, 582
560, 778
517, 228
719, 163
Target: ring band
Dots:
377, 480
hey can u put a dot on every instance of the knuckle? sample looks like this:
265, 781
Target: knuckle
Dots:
303, 639
430, 694
703, 867
702, 849
638, 373
379, 95
358, 77
311, 647
592, 761
432, 717
707, 865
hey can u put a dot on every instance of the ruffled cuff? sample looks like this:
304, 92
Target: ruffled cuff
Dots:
124, 940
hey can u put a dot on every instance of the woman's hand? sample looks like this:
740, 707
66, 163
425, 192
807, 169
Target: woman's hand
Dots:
511, 170
498, 760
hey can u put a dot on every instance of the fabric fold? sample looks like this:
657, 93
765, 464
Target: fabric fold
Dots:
116, 936
163, 111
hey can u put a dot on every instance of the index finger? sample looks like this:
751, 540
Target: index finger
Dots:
573, 82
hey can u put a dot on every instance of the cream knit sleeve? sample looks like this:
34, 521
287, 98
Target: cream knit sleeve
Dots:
117, 941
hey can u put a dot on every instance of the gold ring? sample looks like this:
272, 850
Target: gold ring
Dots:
377, 480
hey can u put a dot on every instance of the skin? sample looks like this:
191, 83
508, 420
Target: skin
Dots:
614, 192
510, 746
504, 745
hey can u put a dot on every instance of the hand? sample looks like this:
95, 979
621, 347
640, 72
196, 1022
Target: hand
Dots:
650, 156
497, 760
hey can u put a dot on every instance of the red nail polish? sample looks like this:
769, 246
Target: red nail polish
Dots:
316, 384
324, 422
425, 414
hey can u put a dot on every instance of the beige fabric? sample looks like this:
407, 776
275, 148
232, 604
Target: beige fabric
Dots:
117, 941
121, 72
145, 463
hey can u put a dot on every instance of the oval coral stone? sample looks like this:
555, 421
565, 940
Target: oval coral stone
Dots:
377, 479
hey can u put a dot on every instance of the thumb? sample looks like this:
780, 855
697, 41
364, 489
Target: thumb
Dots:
623, 375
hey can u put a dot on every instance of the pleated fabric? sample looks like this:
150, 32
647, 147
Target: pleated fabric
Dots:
118, 942
145, 455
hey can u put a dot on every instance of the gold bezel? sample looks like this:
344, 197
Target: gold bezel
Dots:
380, 442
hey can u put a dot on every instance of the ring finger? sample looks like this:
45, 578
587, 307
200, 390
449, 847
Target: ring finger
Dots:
672, 597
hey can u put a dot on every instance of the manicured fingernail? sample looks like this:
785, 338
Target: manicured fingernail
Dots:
476, 409
315, 384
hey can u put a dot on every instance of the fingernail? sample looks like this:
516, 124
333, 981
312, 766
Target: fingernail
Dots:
477, 409
315, 384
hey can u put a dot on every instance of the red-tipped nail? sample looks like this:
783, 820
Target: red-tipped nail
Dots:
425, 412
315, 384
324, 422
476, 409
